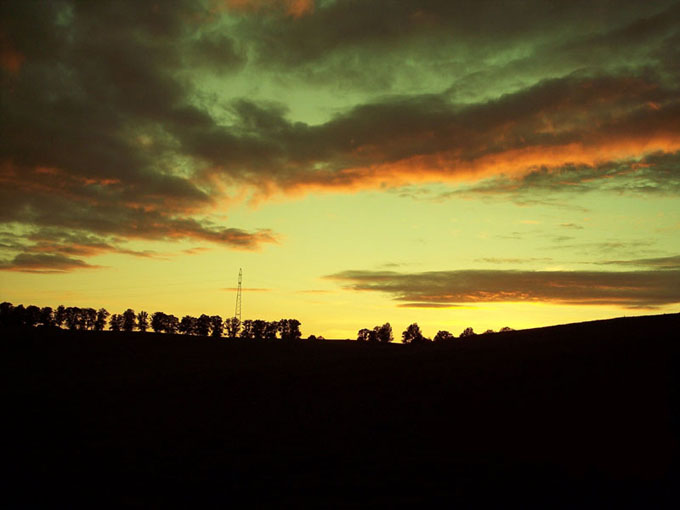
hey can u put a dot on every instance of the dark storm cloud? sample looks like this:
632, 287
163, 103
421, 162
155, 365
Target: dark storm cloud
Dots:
364, 45
423, 137
88, 133
104, 134
633, 289
357, 24
217, 52
617, 100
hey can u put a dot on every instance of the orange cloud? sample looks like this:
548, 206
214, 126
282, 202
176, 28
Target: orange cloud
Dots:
450, 166
294, 8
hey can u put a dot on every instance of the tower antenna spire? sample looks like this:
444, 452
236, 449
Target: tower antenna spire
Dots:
237, 313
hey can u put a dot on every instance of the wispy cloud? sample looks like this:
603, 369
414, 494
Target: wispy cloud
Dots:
662, 263
44, 263
514, 260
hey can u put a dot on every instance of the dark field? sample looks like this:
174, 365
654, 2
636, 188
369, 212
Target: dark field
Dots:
570, 416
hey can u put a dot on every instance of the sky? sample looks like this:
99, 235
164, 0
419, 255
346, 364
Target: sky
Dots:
451, 163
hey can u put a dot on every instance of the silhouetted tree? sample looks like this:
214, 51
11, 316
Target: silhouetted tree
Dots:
488, 332
233, 326
73, 318
294, 332
505, 330
363, 335
116, 322
258, 328
143, 321
158, 321
18, 316
412, 334
467, 332
129, 320
171, 324
100, 321
216, 326
6, 314
46, 316
32, 315
60, 315
311, 337
270, 330
188, 325
384, 333
289, 329
89, 317
443, 336
203, 325
247, 329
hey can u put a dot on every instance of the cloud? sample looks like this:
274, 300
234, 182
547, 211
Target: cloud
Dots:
438, 25
44, 263
583, 122
514, 260
652, 174
56, 241
631, 289
585, 118
294, 8
661, 263
106, 131
94, 153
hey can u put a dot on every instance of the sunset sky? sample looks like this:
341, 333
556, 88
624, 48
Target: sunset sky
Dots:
450, 163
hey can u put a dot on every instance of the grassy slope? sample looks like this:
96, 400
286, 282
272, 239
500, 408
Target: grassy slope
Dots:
582, 413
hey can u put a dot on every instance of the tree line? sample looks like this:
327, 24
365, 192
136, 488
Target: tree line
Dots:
75, 318
88, 319
413, 335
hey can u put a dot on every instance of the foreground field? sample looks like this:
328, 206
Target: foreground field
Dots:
578, 415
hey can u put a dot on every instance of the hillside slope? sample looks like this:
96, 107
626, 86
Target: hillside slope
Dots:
581, 414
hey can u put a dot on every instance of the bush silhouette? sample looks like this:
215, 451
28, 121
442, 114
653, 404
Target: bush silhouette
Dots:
467, 332
443, 337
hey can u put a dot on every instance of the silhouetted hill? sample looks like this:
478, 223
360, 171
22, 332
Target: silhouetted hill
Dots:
577, 415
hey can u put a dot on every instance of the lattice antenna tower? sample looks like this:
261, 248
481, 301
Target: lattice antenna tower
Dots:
237, 313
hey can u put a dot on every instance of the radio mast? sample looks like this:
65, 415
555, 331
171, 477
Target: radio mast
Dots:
237, 314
